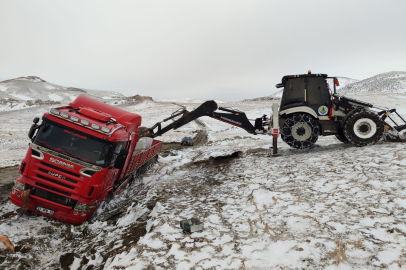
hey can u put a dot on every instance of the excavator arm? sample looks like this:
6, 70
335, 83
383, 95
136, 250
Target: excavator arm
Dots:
208, 108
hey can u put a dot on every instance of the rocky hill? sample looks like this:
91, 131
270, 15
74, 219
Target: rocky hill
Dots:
389, 82
24, 92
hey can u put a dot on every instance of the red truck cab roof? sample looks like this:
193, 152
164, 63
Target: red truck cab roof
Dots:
130, 120
96, 118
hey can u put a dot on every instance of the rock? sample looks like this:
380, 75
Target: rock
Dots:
67, 259
141, 98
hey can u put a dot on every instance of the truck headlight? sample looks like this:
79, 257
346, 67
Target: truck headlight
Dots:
19, 186
85, 207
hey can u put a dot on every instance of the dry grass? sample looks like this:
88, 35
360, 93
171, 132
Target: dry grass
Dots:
260, 218
243, 262
312, 218
363, 172
264, 206
274, 200
251, 227
256, 207
275, 236
298, 200
356, 244
338, 255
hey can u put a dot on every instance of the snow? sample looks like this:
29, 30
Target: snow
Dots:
55, 97
50, 87
297, 210
72, 97
21, 96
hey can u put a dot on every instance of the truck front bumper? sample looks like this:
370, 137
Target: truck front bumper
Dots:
60, 212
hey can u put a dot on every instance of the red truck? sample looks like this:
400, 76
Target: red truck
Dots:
79, 156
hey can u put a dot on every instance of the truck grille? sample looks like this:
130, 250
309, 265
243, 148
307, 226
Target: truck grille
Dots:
53, 189
57, 175
60, 169
54, 197
53, 181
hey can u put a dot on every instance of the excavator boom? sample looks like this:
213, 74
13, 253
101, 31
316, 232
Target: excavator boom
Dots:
208, 108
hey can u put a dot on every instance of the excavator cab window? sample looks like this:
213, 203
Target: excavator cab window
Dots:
294, 93
318, 94
311, 92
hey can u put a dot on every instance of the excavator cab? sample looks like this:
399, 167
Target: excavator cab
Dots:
308, 93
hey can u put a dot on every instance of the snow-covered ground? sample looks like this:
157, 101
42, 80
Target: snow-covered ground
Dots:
334, 206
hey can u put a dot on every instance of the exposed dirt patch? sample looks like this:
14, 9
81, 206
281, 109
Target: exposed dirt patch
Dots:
67, 259
7, 176
199, 139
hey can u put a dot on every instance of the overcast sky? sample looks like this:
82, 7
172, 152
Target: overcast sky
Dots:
228, 50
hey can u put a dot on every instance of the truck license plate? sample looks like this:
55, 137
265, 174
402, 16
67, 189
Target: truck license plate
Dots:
44, 210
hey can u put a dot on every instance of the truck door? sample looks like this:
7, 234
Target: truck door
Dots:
114, 173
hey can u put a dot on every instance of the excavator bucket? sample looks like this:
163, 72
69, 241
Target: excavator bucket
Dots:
4, 239
393, 132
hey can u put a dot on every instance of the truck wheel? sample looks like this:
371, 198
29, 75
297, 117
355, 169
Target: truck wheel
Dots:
363, 127
341, 137
300, 131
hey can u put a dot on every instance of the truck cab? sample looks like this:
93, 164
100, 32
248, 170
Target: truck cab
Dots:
79, 155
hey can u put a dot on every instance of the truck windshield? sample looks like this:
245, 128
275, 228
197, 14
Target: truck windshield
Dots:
72, 143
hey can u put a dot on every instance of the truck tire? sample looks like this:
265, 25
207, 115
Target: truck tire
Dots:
300, 131
341, 137
363, 127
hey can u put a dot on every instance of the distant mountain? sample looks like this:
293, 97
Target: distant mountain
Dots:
30, 91
344, 82
390, 82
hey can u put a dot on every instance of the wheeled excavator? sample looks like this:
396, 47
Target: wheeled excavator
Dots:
308, 109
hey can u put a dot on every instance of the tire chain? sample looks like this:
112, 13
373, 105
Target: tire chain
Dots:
286, 133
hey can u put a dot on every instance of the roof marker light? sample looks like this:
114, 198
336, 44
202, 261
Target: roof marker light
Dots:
95, 126
84, 122
64, 115
74, 118
105, 129
55, 111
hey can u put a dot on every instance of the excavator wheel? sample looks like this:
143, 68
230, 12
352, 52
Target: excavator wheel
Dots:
341, 137
363, 127
300, 131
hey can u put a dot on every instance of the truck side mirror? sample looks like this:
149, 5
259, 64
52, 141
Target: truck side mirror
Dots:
33, 128
120, 160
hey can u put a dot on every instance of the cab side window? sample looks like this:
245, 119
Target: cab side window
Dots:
117, 148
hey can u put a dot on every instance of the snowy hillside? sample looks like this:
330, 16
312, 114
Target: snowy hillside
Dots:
334, 206
31, 91
390, 82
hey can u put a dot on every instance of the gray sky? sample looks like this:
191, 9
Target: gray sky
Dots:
227, 50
